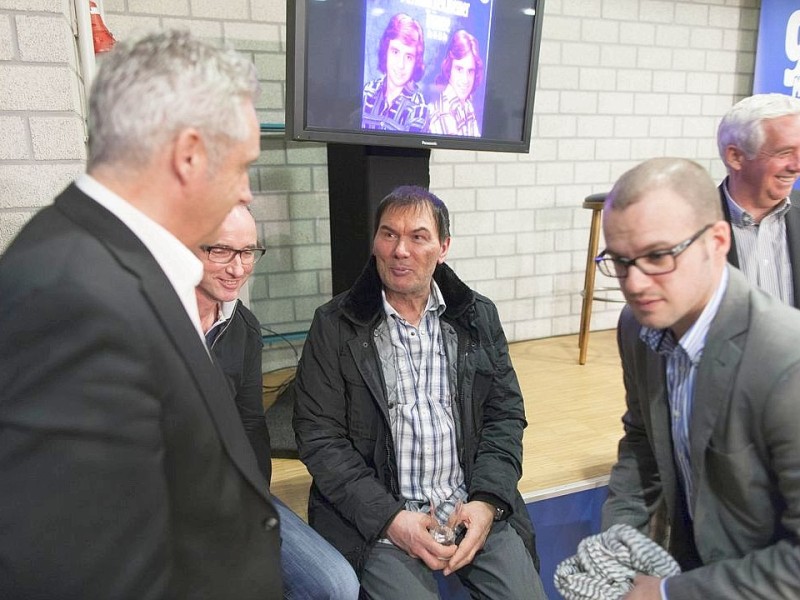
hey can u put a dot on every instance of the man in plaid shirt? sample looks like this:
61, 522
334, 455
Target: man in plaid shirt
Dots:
409, 416
393, 101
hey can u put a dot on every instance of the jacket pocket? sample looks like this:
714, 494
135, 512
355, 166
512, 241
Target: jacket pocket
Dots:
739, 482
363, 420
481, 386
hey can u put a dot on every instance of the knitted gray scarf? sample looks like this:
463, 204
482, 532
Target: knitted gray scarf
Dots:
606, 563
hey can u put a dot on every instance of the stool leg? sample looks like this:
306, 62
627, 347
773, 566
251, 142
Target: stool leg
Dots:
588, 286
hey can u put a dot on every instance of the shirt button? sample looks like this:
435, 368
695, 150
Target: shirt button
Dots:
269, 523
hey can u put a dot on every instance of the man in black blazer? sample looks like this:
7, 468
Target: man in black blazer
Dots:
125, 469
759, 142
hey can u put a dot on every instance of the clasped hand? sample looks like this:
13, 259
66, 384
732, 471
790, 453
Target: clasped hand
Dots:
410, 531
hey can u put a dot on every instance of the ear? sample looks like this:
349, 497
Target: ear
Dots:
444, 249
190, 156
734, 158
721, 237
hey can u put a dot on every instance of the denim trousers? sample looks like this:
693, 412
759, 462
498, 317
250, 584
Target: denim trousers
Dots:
312, 568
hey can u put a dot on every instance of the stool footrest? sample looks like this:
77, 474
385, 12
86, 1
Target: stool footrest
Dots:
598, 297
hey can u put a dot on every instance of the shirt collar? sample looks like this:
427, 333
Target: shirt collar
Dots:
693, 341
435, 302
225, 311
449, 96
183, 269
741, 217
407, 91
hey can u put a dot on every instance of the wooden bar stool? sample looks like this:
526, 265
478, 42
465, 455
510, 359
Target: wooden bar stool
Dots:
593, 202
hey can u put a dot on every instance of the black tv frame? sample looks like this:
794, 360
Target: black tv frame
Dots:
297, 87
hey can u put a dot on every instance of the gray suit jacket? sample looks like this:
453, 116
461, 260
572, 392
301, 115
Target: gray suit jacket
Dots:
124, 468
792, 236
745, 451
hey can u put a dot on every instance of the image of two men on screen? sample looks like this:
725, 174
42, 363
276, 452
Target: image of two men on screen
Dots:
404, 94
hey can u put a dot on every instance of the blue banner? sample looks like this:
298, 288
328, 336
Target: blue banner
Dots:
777, 66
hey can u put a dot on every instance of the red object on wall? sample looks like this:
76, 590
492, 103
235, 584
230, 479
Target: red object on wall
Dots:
101, 36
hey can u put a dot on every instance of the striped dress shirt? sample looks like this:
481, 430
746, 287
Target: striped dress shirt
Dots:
683, 357
762, 248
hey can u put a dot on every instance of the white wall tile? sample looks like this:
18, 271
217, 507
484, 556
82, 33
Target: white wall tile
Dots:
33, 185
58, 138
32, 30
38, 88
14, 139
228, 10
157, 7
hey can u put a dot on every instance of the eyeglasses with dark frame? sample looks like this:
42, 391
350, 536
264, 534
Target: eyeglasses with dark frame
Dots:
223, 255
659, 262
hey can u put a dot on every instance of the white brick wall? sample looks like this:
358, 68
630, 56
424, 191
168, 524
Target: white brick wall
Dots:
32, 29
41, 126
14, 138
619, 81
58, 138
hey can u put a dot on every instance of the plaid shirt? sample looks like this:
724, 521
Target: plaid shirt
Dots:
452, 117
423, 427
407, 112
683, 358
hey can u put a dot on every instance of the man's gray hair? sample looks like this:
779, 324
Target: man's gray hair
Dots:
149, 89
742, 126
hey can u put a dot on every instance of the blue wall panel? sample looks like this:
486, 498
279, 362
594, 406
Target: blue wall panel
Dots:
560, 523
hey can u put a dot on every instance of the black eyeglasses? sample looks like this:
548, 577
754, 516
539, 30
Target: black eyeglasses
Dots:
224, 255
659, 262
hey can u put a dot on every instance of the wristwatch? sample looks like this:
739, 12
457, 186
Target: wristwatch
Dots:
499, 513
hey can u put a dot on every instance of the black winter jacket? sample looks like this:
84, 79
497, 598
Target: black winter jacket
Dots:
341, 418
237, 349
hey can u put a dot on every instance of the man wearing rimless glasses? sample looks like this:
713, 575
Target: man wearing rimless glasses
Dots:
711, 367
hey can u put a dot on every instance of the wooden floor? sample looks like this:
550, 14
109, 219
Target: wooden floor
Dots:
573, 416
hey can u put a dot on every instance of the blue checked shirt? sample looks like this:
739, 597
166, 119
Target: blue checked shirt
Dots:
762, 248
424, 430
683, 357
407, 112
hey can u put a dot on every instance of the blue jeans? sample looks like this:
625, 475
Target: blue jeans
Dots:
312, 568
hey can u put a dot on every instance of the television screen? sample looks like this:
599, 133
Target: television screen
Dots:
415, 73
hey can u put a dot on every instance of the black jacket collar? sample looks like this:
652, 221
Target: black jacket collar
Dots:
362, 303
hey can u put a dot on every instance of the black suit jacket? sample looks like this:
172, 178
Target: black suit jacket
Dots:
124, 466
792, 237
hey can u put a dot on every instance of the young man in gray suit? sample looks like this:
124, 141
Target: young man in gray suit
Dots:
759, 142
712, 376
125, 469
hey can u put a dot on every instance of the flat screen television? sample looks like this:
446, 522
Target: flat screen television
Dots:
456, 74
